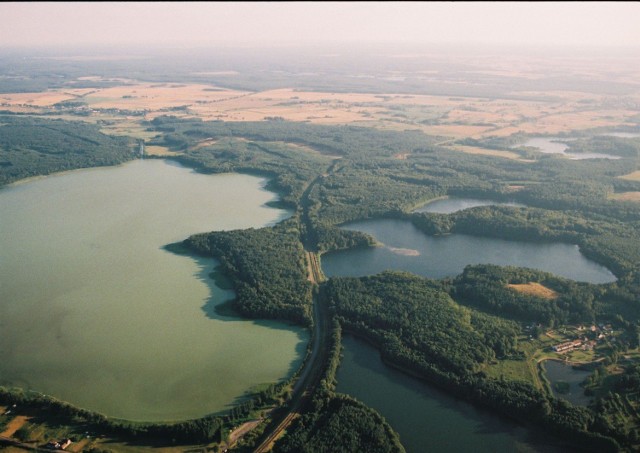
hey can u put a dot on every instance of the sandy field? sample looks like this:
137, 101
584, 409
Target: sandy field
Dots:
535, 289
488, 152
14, 425
634, 176
150, 96
45, 99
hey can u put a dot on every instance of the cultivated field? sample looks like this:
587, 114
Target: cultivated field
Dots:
124, 107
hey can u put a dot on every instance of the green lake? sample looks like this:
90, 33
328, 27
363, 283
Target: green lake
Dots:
407, 248
425, 418
94, 310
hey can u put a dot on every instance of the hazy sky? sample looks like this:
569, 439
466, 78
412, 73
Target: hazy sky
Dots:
184, 23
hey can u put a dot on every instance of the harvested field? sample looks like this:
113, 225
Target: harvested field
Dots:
14, 425
79, 446
205, 143
634, 176
535, 289
45, 99
625, 196
146, 96
319, 96
457, 131
329, 108
306, 149
567, 122
488, 152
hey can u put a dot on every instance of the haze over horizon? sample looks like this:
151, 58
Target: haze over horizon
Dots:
190, 24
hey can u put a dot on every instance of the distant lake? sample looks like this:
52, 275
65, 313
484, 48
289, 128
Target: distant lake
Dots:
451, 205
552, 145
425, 418
623, 134
407, 248
94, 311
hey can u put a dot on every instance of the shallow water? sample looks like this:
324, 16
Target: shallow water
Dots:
623, 134
550, 145
451, 205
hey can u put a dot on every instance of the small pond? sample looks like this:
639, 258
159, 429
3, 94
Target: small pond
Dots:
565, 381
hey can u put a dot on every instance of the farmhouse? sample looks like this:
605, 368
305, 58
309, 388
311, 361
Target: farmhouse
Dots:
62, 445
568, 346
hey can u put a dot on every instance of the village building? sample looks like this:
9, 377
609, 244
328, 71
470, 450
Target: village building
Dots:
568, 346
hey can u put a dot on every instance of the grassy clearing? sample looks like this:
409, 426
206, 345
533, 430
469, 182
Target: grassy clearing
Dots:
154, 150
128, 128
535, 289
526, 369
517, 370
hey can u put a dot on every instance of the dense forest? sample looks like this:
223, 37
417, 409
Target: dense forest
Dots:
35, 146
417, 315
341, 424
487, 288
